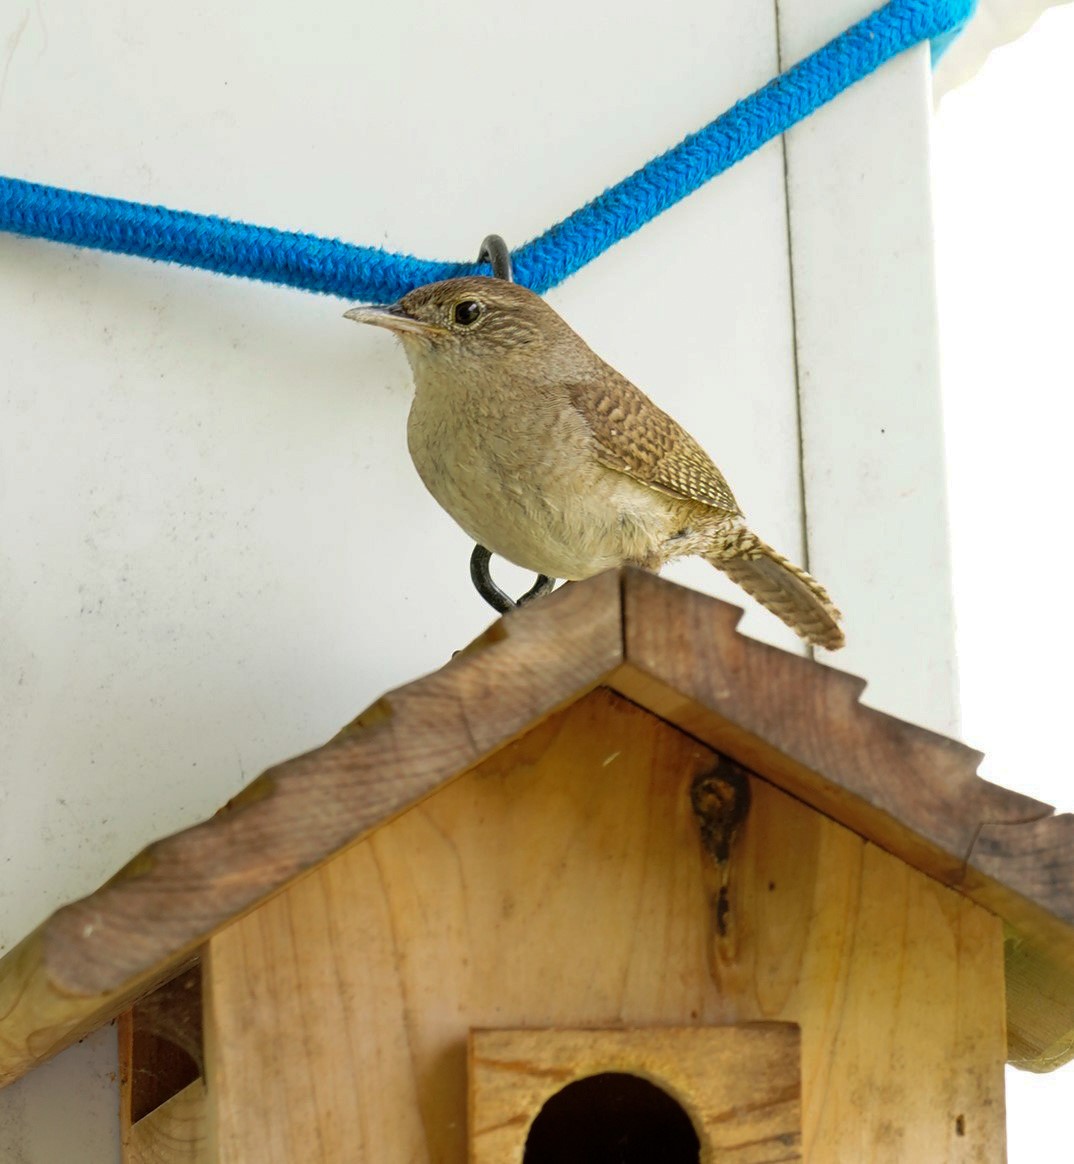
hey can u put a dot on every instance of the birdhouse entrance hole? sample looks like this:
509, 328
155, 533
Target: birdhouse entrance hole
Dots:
612, 1118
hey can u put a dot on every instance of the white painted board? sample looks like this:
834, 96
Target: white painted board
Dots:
213, 548
867, 359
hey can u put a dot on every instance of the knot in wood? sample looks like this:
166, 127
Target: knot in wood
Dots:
721, 800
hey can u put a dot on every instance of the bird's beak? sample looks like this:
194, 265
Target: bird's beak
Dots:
394, 318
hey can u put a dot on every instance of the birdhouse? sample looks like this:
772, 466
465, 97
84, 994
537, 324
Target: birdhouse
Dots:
616, 883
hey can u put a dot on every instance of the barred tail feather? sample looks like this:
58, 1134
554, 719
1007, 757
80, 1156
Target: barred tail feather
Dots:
786, 590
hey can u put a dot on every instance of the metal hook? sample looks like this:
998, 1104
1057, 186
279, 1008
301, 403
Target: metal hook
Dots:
496, 598
494, 251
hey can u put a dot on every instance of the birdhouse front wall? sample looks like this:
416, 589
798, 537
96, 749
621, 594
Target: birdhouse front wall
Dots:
563, 884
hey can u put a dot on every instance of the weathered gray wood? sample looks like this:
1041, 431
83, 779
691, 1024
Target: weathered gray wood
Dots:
91, 958
673, 651
915, 793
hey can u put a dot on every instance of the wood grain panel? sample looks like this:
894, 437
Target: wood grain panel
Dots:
174, 1133
739, 1085
562, 883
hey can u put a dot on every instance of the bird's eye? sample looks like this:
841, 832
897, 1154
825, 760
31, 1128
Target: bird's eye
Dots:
467, 312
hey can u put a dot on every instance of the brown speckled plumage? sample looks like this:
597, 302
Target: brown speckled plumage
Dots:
552, 459
633, 436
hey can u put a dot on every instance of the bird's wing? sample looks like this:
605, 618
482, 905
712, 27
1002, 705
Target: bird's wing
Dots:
634, 436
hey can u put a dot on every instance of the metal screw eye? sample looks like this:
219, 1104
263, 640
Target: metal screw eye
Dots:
494, 251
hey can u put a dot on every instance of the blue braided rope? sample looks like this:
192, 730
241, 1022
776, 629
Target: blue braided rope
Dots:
373, 275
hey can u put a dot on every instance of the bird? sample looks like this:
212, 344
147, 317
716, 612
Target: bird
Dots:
549, 457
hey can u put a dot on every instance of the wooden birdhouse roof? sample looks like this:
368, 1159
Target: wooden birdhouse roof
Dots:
672, 651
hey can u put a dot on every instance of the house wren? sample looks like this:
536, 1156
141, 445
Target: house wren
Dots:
553, 460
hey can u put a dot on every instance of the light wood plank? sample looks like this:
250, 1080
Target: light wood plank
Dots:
896, 981
174, 1133
739, 1085
562, 883
553, 886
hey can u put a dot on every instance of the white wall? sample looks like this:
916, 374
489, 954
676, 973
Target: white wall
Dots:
1005, 250
214, 549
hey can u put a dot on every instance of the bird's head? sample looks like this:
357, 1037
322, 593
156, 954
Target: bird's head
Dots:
473, 318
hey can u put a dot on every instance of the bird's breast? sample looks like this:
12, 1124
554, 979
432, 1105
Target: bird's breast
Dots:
520, 477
